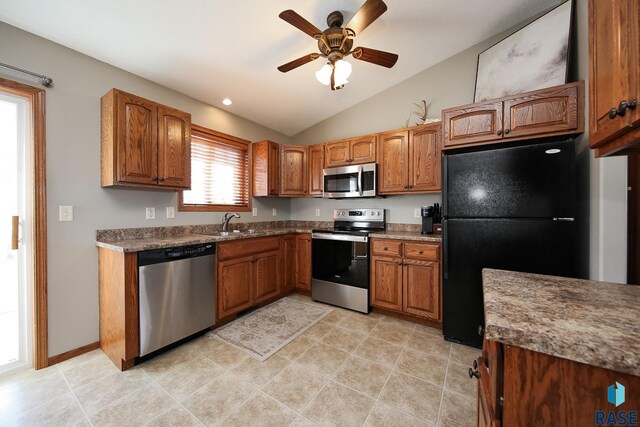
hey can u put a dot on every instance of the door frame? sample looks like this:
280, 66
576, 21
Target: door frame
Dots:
38, 257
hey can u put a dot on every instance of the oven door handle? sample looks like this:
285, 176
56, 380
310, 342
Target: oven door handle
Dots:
360, 180
340, 237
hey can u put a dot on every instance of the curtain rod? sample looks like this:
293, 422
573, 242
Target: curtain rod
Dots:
45, 81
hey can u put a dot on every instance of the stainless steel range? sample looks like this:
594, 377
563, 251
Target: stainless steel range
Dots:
341, 258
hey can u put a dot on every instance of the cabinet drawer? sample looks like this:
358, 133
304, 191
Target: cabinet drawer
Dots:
423, 251
386, 248
244, 247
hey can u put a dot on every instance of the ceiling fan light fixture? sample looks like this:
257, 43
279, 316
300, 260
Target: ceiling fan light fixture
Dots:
324, 74
342, 71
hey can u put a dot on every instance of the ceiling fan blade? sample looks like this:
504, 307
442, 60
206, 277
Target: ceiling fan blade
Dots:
298, 62
374, 56
300, 23
369, 12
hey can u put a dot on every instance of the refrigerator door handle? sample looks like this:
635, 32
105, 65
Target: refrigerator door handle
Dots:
443, 212
445, 249
564, 219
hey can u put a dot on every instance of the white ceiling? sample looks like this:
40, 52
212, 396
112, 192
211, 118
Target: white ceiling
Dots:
212, 49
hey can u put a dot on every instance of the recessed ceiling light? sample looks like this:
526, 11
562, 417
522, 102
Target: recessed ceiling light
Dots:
552, 151
227, 101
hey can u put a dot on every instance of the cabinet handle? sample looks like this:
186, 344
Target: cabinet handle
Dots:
420, 252
499, 133
154, 178
622, 108
399, 262
161, 179
411, 186
473, 372
506, 131
385, 248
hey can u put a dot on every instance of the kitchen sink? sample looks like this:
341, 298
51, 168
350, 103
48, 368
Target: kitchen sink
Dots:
231, 233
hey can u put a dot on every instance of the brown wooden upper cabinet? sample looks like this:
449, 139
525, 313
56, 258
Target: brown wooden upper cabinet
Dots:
409, 160
557, 110
352, 151
293, 170
266, 168
316, 164
144, 144
279, 170
614, 82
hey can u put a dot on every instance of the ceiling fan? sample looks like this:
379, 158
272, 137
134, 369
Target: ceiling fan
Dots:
336, 42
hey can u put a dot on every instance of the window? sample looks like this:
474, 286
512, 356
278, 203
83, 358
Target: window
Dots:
219, 172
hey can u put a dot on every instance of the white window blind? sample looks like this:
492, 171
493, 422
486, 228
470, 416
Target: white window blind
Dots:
219, 172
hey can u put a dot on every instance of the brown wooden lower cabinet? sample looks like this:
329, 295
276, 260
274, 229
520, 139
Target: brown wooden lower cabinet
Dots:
303, 261
248, 273
405, 277
288, 250
118, 291
519, 387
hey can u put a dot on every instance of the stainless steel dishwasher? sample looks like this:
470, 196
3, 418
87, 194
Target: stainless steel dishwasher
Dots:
177, 289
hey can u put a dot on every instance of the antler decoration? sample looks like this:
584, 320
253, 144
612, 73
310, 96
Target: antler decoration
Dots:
422, 110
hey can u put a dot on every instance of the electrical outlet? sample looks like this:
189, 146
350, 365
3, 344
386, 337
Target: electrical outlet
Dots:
254, 212
66, 213
416, 213
317, 212
150, 213
274, 212
171, 212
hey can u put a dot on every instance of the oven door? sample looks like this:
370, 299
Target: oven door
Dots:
341, 258
350, 181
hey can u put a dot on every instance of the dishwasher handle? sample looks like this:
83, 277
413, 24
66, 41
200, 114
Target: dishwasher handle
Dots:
157, 256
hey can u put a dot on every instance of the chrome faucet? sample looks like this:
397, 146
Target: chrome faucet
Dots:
227, 217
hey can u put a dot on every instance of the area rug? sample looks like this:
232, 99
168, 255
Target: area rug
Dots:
268, 329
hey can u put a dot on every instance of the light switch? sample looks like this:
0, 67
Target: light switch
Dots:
171, 212
150, 213
66, 213
274, 212
317, 212
416, 213
254, 211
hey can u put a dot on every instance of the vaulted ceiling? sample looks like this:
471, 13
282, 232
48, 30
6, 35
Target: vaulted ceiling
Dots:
214, 49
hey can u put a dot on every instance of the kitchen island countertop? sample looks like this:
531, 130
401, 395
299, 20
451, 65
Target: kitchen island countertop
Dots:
591, 322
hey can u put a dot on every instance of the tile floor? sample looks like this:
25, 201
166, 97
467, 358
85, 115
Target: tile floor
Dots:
347, 370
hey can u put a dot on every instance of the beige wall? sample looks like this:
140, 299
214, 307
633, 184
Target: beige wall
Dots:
73, 174
602, 194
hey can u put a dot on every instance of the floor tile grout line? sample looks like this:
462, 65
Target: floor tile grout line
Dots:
153, 380
389, 376
233, 409
446, 372
75, 398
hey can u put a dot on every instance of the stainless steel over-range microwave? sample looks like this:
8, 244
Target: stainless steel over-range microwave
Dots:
350, 181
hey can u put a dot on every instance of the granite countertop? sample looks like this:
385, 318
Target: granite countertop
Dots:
407, 235
586, 321
161, 242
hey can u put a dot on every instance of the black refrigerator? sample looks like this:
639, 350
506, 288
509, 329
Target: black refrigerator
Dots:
509, 208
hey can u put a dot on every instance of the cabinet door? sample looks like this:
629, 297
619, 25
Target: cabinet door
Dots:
363, 149
266, 272
137, 134
273, 178
235, 285
421, 293
288, 249
174, 148
472, 124
336, 153
293, 170
393, 162
303, 261
386, 282
425, 163
611, 65
316, 163
547, 111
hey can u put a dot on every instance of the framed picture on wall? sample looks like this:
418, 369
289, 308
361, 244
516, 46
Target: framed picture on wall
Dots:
534, 57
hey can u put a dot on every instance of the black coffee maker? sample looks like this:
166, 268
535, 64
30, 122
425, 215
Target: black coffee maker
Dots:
427, 213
